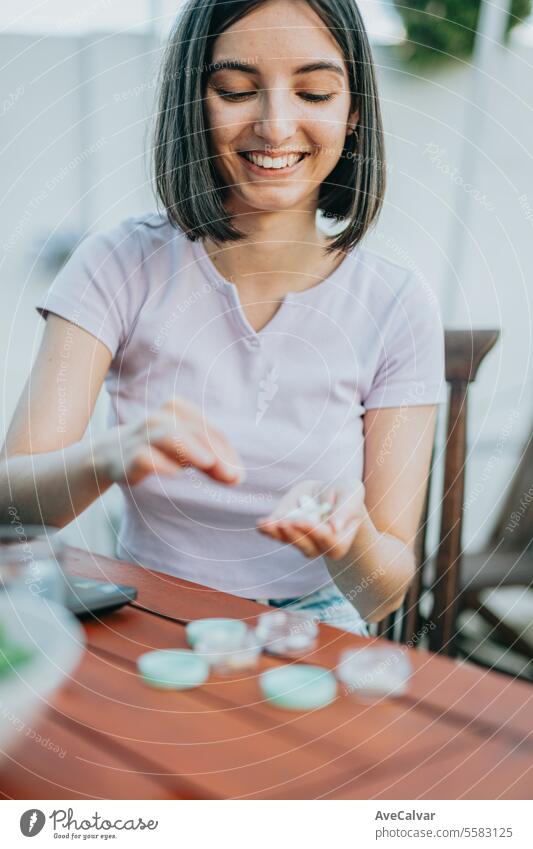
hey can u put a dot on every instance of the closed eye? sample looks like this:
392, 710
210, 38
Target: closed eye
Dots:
241, 95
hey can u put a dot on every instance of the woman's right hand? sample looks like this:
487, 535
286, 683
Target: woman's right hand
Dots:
173, 437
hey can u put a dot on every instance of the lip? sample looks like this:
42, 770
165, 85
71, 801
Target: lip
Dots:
272, 172
272, 153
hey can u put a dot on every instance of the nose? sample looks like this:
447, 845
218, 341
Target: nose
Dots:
277, 121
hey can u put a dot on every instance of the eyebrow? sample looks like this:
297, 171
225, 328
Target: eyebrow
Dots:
245, 67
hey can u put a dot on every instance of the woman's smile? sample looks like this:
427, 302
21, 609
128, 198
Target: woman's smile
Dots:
271, 110
270, 166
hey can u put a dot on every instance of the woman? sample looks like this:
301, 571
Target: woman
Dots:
250, 358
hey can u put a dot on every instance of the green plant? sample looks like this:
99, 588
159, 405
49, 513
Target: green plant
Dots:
440, 30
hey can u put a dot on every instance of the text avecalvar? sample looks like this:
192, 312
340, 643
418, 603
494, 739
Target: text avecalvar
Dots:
405, 815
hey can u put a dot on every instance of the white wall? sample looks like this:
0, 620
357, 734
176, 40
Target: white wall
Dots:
73, 132
425, 122
72, 158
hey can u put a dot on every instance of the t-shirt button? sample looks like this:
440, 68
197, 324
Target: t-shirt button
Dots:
255, 343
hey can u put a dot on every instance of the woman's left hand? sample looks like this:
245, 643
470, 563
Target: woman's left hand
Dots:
332, 536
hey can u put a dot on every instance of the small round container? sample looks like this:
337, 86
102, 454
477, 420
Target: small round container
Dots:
229, 653
299, 686
173, 669
376, 672
196, 630
287, 633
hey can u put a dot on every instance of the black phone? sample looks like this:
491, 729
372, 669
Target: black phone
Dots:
86, 596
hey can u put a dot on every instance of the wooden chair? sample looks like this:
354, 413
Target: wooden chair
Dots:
465, 351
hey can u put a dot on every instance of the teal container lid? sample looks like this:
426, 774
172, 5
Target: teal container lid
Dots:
200, 627
173, 669
299, 686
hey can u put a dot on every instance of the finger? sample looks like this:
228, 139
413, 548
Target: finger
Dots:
289, 503
296, 538
273, 525
184, 414
228, 465
225, 474
320, 533
188, 448
269, 522
151, 461
279, 514
225, 452
323, 537
327, 541
183, 447
308, 533
282, 536
271, 532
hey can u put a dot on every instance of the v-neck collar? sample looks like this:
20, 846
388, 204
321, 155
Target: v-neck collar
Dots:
231, 292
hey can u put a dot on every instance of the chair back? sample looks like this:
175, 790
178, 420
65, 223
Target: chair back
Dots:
464, 351
513, 531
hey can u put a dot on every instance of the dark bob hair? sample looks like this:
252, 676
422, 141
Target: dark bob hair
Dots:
185, 177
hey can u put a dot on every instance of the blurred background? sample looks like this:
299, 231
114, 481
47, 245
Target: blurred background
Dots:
77, 88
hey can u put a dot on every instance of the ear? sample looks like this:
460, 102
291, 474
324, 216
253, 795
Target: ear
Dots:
353, 120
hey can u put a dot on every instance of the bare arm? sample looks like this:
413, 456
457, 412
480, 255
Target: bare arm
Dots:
48, 476
46, 473
368, 540
378, 568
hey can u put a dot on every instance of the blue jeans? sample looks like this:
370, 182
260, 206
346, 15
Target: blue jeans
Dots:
326, 605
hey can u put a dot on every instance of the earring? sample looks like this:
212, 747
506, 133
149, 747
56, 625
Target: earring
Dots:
353, 132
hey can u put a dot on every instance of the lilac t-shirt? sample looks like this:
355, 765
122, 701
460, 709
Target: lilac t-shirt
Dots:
290, 398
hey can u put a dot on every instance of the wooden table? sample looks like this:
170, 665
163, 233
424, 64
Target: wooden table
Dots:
461, 732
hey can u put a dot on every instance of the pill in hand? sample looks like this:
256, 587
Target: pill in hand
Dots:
310, 510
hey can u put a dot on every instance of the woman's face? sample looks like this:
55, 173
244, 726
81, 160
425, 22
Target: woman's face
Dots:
276, 108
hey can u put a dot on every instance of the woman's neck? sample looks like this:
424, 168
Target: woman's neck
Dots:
280, 253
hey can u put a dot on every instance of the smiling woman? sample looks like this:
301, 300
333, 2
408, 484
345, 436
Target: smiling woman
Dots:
309, 79
239, 341
249, 82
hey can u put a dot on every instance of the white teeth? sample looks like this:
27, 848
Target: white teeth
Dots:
278, 162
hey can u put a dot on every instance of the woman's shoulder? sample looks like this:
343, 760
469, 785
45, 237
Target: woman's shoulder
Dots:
136, 232
381, 268
391, 282
133, 252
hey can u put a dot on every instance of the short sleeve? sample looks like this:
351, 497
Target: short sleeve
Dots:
93, 289
411, 368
